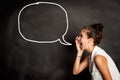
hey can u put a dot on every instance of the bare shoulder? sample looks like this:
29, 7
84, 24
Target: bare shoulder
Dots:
102, 65
100, 60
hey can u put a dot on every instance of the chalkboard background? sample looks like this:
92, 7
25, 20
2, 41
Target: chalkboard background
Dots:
23, 60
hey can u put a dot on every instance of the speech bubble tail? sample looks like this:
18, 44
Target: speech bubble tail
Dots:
62, 41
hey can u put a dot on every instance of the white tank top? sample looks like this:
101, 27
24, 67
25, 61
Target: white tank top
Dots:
111, 65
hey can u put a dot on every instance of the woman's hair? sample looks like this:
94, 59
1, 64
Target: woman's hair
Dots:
95, 31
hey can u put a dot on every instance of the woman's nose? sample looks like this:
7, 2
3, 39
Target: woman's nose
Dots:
79, 38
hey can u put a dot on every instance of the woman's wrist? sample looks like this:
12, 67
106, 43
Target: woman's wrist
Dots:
79, 54
78, 57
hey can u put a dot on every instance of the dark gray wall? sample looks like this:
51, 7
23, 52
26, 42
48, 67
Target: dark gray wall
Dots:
22, 60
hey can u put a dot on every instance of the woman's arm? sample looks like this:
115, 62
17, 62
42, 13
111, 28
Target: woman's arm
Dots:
102, 65
78, 67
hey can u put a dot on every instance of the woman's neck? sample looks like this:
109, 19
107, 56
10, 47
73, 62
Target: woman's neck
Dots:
90, 49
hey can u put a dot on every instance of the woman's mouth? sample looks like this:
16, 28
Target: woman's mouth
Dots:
81, 45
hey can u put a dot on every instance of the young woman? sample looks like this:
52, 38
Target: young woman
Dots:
101, 65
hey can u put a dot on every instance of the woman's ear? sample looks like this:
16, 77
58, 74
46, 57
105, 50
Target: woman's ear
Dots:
91, 40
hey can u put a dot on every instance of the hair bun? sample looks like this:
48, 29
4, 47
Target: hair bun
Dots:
98, 27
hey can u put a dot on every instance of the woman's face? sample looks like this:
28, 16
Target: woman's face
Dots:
84, 40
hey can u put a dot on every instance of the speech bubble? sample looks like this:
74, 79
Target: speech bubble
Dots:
61, 40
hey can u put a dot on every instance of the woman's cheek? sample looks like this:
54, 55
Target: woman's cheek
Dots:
85, 44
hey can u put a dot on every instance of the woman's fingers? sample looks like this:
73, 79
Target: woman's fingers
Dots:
77, 40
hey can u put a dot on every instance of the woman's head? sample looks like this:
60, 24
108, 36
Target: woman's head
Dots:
91, 34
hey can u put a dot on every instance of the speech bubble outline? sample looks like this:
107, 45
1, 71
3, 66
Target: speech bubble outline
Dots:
35, 41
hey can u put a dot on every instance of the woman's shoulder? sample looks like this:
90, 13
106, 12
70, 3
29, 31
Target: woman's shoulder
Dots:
99, 51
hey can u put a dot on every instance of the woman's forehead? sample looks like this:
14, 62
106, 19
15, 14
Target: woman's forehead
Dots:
83, 31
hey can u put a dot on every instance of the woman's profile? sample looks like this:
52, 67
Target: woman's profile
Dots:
101, 65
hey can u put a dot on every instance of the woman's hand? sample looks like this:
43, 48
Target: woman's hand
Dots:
78, 45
